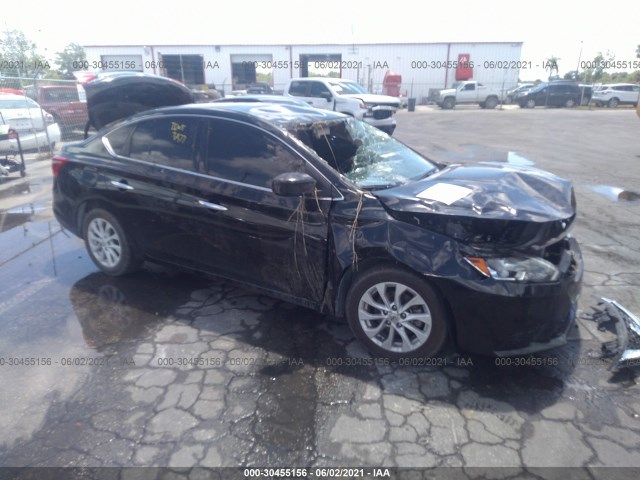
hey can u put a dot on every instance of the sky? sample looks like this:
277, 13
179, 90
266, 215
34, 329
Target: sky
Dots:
567, 30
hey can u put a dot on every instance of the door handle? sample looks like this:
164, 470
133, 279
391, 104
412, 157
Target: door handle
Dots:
212, 206
122, 185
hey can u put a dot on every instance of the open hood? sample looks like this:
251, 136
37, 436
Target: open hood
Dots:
118, 95
498, 204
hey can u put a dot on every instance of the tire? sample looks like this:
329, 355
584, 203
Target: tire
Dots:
531, 103
108, 245
371, 305
570, 103
613, 103
482, 105
448, 103
491, 103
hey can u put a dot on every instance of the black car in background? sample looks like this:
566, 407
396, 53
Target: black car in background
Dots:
328, 212
552, 94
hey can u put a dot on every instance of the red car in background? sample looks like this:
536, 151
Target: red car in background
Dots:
64, 103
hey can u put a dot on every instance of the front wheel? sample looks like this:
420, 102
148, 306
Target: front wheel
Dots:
570, 103
108, 244
531, 103
613, 103
448, 103
396, 314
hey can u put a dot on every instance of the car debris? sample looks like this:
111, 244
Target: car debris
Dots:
625, 351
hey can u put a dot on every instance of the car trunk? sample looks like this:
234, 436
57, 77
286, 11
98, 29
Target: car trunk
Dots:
115, 96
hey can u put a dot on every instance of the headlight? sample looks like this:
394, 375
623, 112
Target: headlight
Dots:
516, 269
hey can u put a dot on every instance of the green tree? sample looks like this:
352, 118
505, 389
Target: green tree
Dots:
70, 59
551, 64
598, 73
20, 56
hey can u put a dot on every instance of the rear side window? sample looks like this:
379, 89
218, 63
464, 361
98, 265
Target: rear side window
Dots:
119, 139
167, 141
243, 153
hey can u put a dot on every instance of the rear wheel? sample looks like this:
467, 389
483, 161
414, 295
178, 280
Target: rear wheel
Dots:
491, 103
396, 314
570, 103
108, 245
531, 103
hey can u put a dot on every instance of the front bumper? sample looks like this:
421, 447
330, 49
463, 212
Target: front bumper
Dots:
387, 125
500, 318
627, 351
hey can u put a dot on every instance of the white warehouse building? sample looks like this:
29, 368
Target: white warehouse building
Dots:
423, 67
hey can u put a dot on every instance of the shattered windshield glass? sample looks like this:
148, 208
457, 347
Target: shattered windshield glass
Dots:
364, 154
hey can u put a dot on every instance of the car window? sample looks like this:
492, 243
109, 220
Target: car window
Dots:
168, 141
119, 139
61, 95
299, 89
469, 86
244, 153
318, 88
23, 102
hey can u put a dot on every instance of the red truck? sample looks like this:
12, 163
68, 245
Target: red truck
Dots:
64, 103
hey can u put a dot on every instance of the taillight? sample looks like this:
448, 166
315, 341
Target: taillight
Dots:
57, 162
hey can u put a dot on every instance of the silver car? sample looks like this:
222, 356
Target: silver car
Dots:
35, 127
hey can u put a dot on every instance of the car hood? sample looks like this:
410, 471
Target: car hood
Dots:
488, 204
373, 98
118, 96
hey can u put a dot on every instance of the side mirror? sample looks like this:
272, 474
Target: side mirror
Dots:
327, 96
293, 184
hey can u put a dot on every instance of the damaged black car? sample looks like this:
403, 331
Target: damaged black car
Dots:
328, 212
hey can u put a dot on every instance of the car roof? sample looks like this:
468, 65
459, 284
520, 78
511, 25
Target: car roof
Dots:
280, 114
261, 98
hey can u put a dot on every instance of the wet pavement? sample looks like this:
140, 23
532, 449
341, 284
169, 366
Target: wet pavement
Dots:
165, 368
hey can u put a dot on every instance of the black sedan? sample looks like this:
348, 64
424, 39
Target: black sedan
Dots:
331, 213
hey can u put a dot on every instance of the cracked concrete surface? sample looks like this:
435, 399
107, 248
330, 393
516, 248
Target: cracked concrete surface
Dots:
182, 371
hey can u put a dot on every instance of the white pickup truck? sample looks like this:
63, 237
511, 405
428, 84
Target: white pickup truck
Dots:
470, 92
348, 97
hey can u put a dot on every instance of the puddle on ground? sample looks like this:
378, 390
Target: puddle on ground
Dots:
615, 194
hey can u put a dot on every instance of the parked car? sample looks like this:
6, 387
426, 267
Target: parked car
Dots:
259, 88
553, 94
470, 92
615, 94
63, 102
35, 127
201, 96
348, 97
520, 89
328, 212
